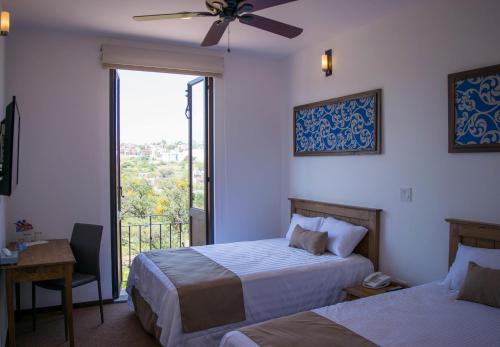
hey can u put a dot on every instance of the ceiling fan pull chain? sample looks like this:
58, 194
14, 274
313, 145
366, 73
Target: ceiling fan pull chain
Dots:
228, 40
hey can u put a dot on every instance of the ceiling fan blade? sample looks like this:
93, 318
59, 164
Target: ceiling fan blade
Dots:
257, 5
271, 25
179, 15
215, 33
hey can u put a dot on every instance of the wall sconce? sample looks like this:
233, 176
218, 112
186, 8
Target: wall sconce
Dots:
4, 23
327, 63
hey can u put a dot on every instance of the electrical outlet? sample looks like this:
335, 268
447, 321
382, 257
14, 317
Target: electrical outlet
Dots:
406, 194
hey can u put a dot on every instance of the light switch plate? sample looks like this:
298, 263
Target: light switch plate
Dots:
406, 194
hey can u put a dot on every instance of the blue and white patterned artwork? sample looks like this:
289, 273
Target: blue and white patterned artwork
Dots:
345, 125
477, 110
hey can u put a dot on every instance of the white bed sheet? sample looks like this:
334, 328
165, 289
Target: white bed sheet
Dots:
426, 315
277, 280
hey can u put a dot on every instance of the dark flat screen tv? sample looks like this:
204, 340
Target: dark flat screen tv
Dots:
6, 148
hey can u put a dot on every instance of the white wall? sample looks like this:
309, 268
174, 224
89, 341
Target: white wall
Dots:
409, 55
247, 144
63, 94
64, 165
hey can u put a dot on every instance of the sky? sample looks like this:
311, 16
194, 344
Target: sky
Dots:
152, 107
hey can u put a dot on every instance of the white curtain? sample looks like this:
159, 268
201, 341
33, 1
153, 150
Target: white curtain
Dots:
144, 59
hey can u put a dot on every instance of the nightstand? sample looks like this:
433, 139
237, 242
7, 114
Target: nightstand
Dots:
359, 292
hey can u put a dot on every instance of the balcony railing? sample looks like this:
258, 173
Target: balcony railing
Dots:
150, 233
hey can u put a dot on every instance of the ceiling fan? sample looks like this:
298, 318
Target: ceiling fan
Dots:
230, 10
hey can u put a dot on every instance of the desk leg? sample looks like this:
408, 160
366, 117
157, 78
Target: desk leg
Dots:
18, 299
9, 281
69, 301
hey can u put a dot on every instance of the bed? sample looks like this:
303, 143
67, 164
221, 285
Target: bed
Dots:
427, 315
277, 280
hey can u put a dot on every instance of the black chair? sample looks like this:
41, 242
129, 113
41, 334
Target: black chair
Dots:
85, 244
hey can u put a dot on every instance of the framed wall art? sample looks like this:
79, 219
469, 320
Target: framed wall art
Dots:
474, 110
342, 126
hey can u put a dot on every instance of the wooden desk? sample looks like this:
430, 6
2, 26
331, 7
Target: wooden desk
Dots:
52, 260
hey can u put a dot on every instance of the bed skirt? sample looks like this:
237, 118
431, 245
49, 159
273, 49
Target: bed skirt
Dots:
145, 314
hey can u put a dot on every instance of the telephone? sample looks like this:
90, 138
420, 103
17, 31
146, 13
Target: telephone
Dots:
8, 257
376, 280
6, 252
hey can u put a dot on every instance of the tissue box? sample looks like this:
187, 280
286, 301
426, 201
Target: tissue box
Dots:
8, 260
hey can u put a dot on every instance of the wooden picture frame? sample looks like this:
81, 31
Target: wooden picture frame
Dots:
369, 108
469, 89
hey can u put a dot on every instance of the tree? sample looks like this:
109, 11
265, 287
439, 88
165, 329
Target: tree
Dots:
174, 194
152, 187
139, 197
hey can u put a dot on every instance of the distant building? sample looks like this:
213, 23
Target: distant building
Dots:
173, 155
176, 152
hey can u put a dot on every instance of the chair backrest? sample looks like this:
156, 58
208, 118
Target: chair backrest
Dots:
86, 245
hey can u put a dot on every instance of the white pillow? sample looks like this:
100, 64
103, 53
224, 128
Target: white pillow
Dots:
308, 223
484, 257
343, 237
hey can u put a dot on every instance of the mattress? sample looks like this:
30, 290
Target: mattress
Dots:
277, 280
427, 315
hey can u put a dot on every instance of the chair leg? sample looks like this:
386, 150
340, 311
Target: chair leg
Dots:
63, 303
100, 300
33, 305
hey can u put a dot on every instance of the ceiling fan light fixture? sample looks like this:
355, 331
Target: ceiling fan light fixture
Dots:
216, 5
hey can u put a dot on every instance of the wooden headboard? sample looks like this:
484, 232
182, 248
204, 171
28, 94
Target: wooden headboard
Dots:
367, 217
474, 234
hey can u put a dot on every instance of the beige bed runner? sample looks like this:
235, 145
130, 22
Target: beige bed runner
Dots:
303, 330
209, 294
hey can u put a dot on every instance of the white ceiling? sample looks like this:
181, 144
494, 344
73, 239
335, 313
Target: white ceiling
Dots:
320, 19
